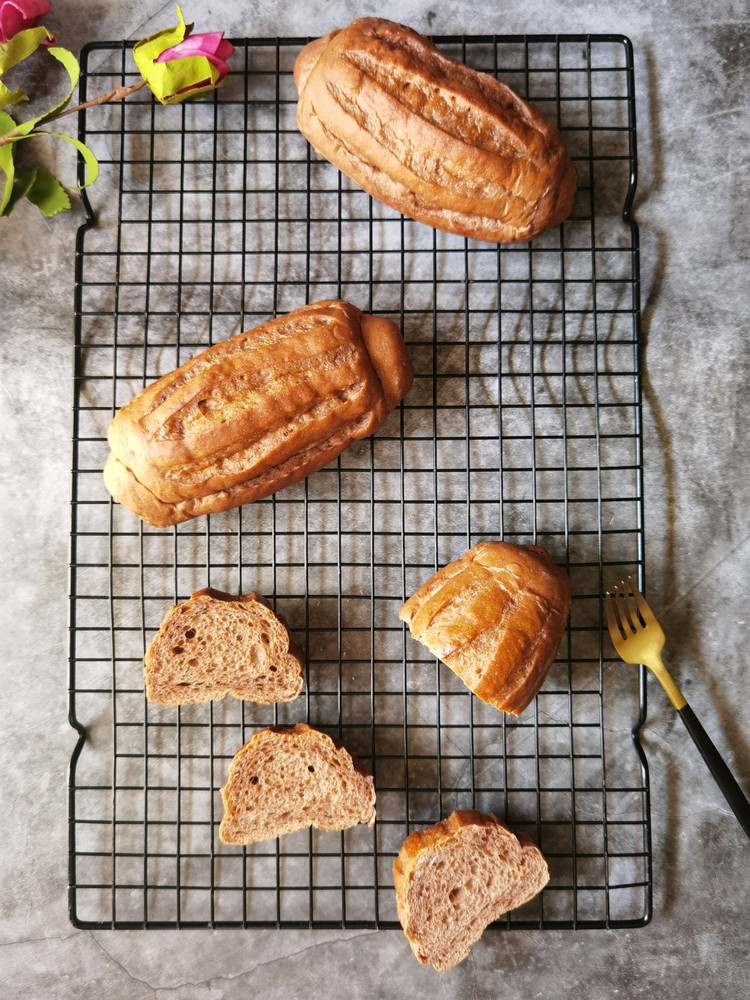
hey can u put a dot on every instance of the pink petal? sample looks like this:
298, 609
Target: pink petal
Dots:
196, 45
210, 44
11, 21
218, 64
15, 15
33, 8
225, 50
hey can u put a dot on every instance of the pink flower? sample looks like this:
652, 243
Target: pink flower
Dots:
210, 44
177, 64
17, 15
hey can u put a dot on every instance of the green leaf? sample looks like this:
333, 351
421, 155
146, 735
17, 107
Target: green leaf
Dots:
92, 164
70, 63
20, 47
14, 51
47, 193
6, 124
21, 187
10, 96
148, 49
7, 163
42, 189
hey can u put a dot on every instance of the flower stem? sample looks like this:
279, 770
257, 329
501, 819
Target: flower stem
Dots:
118, 94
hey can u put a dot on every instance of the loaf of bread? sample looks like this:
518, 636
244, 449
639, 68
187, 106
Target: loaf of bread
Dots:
214, 645
437, 141
495, 617
255, 413
456, 877
287, 779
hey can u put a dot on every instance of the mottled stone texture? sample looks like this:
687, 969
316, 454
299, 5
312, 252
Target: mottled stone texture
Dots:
692, 78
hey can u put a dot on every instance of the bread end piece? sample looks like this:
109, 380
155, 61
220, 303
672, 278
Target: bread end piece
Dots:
308, 57
456, 877
125, 489
385, 345
495, 617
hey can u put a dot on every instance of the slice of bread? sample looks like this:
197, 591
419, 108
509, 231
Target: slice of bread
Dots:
456, 877
216, 644
287, 779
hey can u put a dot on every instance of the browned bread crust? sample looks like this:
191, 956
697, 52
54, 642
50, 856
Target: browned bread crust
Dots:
442, 143
287, 779
495, 617
256, 413
216, 645
457, 876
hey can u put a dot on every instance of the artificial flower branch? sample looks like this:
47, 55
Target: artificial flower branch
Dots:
175, 64
118, 94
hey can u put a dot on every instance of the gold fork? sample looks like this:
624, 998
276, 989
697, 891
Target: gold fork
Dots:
638, 638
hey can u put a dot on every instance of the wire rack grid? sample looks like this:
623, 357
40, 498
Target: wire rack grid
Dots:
523, 423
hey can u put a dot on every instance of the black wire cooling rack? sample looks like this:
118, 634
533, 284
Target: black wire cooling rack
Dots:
523, 423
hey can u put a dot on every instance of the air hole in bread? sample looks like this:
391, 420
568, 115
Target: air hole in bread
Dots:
254, 780
192, 662
264, 638
177, 649
455, 894
310, 767
272, 669
190, 633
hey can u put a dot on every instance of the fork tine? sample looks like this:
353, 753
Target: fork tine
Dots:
646, 613
624, 613
632, 613
613, 626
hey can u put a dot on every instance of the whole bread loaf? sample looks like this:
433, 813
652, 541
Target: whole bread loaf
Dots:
287, 779
442, 143
456, 877
495, 617
255, 413
216, 645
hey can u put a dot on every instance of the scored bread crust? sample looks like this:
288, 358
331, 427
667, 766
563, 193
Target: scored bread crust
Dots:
256, 413
440, 142
185, 666
299, 792
424, 851
495, 617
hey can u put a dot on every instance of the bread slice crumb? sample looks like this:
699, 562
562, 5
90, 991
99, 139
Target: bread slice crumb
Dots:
287, 779
456, 877
216, 645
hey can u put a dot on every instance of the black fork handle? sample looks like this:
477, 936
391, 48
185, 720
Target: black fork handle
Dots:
726, 781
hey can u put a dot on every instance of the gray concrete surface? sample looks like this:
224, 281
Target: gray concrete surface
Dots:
692, 204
